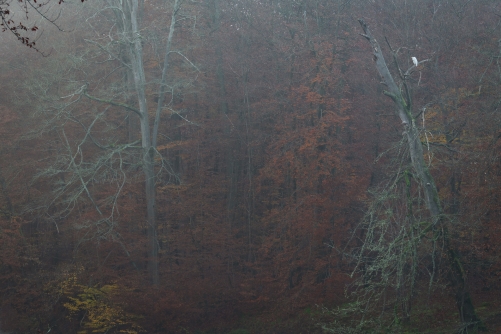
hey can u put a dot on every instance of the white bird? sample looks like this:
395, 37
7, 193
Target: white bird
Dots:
414, 60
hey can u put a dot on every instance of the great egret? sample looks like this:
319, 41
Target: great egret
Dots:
414, 60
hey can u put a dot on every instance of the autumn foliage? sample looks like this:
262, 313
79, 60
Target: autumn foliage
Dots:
274, 138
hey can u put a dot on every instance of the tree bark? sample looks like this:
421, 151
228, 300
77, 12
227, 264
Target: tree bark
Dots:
404, 111
163, 81
136, 54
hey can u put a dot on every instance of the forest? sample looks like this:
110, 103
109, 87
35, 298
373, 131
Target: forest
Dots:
250, 166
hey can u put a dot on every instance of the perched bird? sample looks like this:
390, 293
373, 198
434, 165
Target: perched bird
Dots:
414, 60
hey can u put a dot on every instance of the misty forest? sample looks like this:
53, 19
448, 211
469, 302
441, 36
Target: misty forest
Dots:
250, 166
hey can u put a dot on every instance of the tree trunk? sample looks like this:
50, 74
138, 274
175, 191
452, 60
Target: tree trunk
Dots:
404, 111
127, 14
136, 55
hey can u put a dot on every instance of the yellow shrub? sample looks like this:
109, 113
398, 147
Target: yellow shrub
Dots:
93, 308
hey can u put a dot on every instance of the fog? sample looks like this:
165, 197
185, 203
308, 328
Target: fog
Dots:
242, 166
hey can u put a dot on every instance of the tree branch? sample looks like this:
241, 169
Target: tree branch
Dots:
113, 103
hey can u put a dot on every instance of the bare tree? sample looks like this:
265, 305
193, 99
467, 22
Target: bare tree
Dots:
398, 256
128, 18
118, 50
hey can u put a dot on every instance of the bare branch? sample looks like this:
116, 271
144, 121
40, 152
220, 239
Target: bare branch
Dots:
118, 104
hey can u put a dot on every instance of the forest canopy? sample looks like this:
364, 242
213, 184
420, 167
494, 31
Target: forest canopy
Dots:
244, 166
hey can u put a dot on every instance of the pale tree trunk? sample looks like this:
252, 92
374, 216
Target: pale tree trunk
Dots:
403, 103
163, 81
129, 10
136, 56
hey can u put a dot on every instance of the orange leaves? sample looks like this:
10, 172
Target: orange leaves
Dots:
175, 145
151, 64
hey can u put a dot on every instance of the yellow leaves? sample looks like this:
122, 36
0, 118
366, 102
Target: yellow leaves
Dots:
436, 139
95, 310
433, 127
